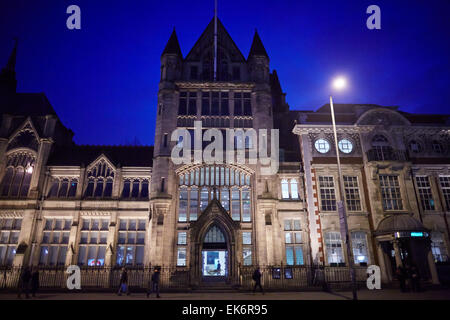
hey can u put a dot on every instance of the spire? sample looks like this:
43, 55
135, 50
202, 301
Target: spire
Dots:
8, 82
173, 46
257, 48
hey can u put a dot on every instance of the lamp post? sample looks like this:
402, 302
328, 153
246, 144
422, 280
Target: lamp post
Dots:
340, 84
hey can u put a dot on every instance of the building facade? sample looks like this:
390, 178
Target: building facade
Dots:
113, 206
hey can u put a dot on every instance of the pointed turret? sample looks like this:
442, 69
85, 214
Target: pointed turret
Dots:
257, 48
8, 82
173, 46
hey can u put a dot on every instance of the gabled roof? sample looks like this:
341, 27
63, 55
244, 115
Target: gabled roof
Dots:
26, 104
208, 36
173, 46
125, 156
257, 48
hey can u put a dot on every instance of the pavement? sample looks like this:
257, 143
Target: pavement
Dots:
384, 294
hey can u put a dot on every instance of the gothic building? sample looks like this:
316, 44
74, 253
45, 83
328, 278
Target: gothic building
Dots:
107, 206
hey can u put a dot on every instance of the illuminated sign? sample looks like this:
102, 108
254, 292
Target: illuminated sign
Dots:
413, 234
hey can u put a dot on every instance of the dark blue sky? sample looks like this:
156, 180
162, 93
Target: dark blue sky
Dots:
102, 80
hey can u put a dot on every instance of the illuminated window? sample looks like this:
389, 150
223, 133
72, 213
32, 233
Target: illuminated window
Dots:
100, 181
346, 146
293, 242
359, 247
285, 189
438, 247
93, 237
415, 146
322, 146
131, 241
181, 257
333, 246
425, 194
17, 178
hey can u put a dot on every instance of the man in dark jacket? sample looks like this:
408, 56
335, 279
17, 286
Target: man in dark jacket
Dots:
257, 278
24, 282
124, 283
34, 281
154, 285
401, 277
415, 279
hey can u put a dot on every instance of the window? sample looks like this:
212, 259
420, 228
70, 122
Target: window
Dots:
92, 249
63, 188
215, 103
333, 246
242, 104
289, 189
135, 188
322, 146
425, 195
345, 145
437, 147
187, 103
100, 181
438, 247
390, 193
415, 146
9, 239
445, 187
17, 178
327, 194
359, 247
247, 248
182, 238
54, 242
352, 193
181, 257
382, 148
293, 242
131, 241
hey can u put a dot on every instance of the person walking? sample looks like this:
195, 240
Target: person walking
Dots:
124, 283
154, 285
34, 281
257, 278
415, 279
401, 277
24, 282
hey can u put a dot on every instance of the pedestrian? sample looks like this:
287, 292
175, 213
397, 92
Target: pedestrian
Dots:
24, 282
257, 278
124, 283
154, 284
407, 272
415, 279
401, 277
34, 281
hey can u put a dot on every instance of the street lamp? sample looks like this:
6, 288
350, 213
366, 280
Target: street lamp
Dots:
339, 84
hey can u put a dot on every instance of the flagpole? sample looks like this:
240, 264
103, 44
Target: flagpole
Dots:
215, 40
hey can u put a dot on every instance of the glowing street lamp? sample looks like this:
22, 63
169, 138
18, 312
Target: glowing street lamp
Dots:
340, 84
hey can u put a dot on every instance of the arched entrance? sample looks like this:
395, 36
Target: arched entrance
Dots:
215, 255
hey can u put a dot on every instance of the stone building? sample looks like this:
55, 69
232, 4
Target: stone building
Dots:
108, 206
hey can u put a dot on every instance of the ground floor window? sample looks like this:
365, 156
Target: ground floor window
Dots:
91, 255
438, 247
294, 255
359, 246
333, 246
9, 238
181, 257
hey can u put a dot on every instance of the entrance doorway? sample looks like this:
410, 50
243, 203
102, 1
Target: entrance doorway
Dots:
215, 256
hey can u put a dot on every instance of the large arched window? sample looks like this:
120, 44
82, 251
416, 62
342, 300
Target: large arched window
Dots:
18, 173
198, 186
100, 181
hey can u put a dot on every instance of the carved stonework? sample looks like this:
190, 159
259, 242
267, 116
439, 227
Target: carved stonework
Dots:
25, 138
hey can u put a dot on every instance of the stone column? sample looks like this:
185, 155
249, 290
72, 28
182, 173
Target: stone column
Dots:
385, 274
398, 257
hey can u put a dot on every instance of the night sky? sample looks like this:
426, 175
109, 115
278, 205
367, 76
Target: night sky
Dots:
102, 80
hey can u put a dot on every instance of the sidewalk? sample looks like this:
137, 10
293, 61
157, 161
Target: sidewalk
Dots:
387, 294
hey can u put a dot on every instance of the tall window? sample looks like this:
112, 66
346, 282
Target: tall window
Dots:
100, 181
188, 104
232, 188
63, 188
17, 178
92, 248
135, 188
425, 194
352, 193
359, 246
333, 246
445, 187
9, 239
181, 256
289, 189
293, 242
215, 103
438, 247
130, 248
390, 193
381, 146
247, 248
55, 241
327, 194
242, 104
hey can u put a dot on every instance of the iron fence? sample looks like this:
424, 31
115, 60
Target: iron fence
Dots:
108, 278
